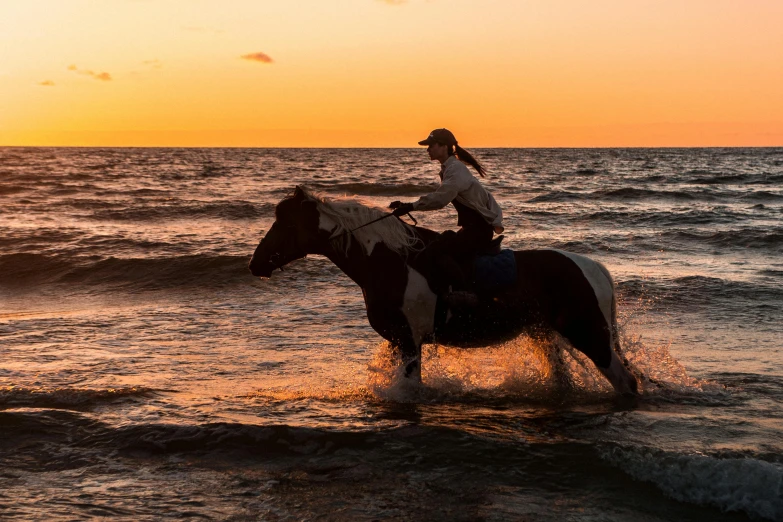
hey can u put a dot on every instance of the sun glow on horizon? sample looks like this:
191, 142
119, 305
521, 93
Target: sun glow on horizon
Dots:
382, 73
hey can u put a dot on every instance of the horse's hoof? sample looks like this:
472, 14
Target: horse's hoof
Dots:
413, 370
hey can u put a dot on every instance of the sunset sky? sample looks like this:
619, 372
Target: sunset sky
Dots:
555, 73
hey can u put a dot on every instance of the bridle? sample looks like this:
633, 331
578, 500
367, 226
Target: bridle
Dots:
274, 259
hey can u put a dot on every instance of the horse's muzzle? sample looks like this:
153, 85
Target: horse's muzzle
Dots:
261, 271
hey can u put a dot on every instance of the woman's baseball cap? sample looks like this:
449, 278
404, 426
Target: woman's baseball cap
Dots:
442, 136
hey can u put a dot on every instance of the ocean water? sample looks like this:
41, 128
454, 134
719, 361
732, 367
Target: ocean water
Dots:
145, 374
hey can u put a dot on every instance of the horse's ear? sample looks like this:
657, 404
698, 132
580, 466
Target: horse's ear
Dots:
299, 193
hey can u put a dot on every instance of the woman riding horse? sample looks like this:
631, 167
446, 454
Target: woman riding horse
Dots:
478, 213
553, 291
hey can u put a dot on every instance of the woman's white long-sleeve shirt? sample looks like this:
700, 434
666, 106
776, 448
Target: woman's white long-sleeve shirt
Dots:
458, 183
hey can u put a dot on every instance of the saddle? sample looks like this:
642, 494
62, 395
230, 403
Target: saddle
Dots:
490, 269
489, 273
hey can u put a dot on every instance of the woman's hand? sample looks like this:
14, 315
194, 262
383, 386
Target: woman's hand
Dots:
402, 209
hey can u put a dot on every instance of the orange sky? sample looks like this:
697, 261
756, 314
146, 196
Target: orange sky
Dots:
376, 73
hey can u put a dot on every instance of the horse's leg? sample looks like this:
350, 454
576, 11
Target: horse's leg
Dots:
619, 375
595, 340
406, 349
411, 358
392, 324
405, 319
588, 319
589, 333
418, 308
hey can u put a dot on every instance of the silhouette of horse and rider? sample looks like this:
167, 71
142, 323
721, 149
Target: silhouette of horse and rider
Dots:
421, 286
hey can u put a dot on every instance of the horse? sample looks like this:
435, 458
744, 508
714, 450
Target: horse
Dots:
555, 290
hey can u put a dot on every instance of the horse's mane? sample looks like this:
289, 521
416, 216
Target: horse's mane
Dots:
349, 213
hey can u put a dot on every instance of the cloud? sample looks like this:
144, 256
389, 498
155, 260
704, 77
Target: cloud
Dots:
103, 76
46, 83
155, 64
257, 57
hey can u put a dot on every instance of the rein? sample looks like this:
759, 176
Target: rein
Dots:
336, 235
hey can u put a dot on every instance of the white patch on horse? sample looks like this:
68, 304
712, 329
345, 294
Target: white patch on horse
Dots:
602, 284
369, 243
418, 306
326, 223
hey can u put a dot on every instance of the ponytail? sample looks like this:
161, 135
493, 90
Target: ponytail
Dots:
466, 157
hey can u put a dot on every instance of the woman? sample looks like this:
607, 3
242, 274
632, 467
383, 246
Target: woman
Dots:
477, 211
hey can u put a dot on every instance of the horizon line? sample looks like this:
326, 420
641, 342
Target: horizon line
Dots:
529, 147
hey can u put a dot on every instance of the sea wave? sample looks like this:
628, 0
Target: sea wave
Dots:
709, 178
557, 196
715, 178
587, 172
374, 189
760, 385
163, 438
65, 398
628, 194
685, 292
20, 270
234, 210
8, 190
16, 241
589, 246
757, 238
622, 194
762, 195
633, 193
149, 206
732, 484
654, 218
274, 439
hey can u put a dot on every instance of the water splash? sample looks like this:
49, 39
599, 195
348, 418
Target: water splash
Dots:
539, 368
660, 374
527, 368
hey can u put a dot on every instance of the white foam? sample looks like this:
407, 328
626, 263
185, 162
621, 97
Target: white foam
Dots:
749, 485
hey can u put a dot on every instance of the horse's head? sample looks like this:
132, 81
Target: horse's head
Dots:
290, 237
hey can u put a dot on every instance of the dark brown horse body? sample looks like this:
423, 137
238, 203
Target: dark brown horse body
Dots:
555, 290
